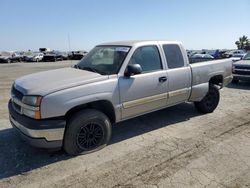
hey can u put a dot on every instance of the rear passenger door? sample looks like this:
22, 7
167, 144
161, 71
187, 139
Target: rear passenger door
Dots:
147, 91
179, 74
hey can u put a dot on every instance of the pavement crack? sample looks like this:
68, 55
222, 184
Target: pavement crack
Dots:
232, 129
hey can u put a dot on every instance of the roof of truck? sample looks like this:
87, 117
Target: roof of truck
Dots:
135, 42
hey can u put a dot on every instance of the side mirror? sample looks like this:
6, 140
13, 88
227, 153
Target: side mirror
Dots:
133, 69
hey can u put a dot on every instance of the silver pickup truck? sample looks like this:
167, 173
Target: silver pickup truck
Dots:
75, 107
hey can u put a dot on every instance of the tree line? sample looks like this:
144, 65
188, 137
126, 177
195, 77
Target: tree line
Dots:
243, 43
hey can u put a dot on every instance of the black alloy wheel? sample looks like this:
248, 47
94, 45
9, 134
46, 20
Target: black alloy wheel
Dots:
90, 136
87, 131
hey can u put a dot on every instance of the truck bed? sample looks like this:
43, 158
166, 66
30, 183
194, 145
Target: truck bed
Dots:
202, 73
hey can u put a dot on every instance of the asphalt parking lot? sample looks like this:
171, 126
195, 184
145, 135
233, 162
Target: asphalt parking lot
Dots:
174, 147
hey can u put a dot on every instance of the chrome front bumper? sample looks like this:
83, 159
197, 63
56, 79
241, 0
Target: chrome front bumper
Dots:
48, 134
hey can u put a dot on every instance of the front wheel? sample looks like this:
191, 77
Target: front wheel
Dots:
87, 131
209, 103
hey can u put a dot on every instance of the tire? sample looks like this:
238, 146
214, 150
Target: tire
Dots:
87, 131
209, 103
235, 81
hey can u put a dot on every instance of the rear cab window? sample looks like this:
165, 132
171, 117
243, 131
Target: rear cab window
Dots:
173, 56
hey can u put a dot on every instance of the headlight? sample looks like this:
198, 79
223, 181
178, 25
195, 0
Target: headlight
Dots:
32, 100
31, 106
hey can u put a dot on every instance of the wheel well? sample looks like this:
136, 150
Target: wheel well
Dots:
216, 80
104, 106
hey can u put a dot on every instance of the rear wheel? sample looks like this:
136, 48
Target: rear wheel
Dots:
209, 103
87, 131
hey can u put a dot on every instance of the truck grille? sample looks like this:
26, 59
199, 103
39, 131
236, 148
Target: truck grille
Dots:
242, 70
242, 67
16, 107
18, 95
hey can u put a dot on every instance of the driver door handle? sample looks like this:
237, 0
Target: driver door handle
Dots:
163, 79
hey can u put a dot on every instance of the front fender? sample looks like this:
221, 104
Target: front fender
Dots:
59, 103
56, 107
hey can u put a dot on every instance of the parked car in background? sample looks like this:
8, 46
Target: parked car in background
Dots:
77, 55
17, 57
34, 57
53, 56
231, 53
10, 57
241, 69
217, 54
5, 57
237, 57
27, 54
44, 50
190, 53
65, 55
214, 53
202, 56
221, 53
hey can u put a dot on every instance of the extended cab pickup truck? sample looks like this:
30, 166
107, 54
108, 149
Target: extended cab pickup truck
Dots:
75, 107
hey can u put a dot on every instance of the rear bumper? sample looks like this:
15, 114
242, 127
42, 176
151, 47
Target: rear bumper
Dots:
38, 133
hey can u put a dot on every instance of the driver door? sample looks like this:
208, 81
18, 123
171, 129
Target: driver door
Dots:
147, 91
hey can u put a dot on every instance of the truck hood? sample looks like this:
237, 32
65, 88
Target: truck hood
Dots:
46, 82
243, 62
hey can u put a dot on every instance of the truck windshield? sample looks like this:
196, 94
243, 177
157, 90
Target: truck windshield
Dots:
105, 60
247, 56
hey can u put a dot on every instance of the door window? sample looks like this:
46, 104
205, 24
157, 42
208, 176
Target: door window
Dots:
148, 57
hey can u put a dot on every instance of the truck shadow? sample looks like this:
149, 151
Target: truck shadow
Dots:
18, 158
153, 121
241, 85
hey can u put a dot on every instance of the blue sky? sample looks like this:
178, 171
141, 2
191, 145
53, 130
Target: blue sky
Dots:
30, 24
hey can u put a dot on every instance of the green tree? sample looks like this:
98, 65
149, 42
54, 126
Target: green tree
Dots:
243, 43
